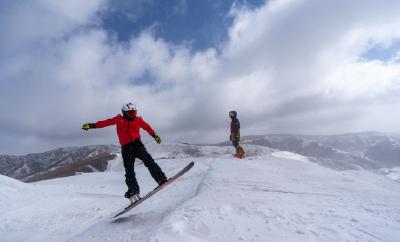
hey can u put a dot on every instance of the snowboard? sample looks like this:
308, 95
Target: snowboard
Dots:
169, 181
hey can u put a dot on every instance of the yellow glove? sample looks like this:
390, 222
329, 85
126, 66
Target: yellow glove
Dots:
88, 126
157, 139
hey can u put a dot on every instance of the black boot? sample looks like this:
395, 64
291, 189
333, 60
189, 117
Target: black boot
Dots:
130, 193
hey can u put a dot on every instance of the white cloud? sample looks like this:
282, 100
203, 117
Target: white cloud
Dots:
289, 66
313, 48
28, 24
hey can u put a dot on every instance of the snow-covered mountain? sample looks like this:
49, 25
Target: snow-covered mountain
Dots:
57, 163
271, 195
369, 150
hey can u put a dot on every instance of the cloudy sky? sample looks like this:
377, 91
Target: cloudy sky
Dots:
286, 66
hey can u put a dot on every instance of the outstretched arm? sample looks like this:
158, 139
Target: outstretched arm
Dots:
100, 124
106, 122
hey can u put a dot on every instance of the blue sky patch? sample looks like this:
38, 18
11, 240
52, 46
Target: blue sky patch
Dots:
199, 24
381, 52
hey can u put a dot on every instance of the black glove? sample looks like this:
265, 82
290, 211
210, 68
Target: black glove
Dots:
88, 126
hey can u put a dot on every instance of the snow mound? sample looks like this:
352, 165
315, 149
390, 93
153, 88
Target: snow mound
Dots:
12, 192
10, 183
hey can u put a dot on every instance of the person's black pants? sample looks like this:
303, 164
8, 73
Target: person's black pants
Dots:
134, 150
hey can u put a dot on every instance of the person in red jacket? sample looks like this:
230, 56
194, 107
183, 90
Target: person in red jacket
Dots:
128, 126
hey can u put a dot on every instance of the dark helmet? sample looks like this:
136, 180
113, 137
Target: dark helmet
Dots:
232, 114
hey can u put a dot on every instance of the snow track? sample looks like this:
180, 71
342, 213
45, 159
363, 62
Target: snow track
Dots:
143, 221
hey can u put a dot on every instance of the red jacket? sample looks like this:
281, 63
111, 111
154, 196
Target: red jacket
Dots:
127, 130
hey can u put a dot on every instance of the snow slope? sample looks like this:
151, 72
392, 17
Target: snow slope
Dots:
269, 196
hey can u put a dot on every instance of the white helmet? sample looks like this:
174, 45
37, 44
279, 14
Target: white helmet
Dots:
128, 107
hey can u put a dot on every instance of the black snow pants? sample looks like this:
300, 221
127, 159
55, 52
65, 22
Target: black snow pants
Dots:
134, 150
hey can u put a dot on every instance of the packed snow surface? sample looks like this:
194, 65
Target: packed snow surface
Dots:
269, 196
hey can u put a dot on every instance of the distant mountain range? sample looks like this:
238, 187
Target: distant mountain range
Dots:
368, 150
57, 163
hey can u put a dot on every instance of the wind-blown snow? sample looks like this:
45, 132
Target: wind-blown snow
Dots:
116, 164
269, 196
393, 173
290, 155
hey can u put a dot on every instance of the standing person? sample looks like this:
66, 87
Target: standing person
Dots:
128, 126
235, 134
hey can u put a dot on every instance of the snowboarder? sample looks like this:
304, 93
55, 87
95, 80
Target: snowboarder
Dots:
235, 134
128, 125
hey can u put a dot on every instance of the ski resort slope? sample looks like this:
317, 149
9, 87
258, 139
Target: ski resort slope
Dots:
269, 196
